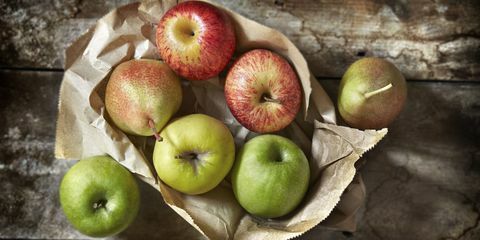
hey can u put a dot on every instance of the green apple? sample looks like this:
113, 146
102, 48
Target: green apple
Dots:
372, 93
195, 155
270, 176
99, 197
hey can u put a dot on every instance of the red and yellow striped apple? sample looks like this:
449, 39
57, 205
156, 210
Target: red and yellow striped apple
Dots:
263, 91
142, 95
196, 39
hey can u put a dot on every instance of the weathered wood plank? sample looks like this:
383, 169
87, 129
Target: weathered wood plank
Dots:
425, 39
422, 179
30, 175
34, 34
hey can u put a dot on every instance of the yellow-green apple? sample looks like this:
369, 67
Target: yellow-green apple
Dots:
270, 176
99, 197
142, 95
195, 155
372, 93
196, 39
263, 91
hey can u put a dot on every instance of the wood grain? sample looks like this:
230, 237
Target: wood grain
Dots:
30, 175
426, 39
422, 179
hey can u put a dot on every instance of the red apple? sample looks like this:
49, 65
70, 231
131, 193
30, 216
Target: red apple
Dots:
196, 39
263, 91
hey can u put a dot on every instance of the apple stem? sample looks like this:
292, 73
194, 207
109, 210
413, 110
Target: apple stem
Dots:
269, 99
383, 89
151, 123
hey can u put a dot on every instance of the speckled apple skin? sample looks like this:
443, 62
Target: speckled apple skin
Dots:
196, 39
378, 111
270, 176
139, 91
263, 72
212, 143
91, 180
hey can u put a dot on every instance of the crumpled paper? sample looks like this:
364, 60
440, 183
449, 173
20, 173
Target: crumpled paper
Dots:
84, 129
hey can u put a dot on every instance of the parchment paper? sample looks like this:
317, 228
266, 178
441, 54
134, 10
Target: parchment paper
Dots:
84, 129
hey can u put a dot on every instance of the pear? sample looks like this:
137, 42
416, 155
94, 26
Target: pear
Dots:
372, 93
142, 95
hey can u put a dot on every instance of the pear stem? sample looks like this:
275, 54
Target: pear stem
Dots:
269, 99
383, 89
151, 123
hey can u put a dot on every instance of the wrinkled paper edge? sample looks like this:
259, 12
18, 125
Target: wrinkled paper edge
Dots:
316, 99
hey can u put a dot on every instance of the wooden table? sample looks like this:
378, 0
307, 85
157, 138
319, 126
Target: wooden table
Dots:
423, 179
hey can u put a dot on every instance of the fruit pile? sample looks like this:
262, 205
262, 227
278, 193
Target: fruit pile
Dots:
269, 174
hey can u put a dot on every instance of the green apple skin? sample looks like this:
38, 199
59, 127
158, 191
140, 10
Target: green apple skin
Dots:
270, 176
195, 155
99, 197
379, 110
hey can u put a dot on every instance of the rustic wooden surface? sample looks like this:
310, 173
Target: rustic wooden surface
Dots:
423, 179
426, 39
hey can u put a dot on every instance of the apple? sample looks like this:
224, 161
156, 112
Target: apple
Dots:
270, 176
142, 95
99, 197
196, 153
372, 93
263, 91
196, 39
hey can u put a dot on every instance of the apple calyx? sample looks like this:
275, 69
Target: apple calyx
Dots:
268, 98
151, 123
99, 204
189, 156
192, 157
375, 92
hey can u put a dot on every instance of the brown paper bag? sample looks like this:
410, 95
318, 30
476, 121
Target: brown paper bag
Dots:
128, 32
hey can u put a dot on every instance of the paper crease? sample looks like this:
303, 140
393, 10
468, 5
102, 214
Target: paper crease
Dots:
84, 129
